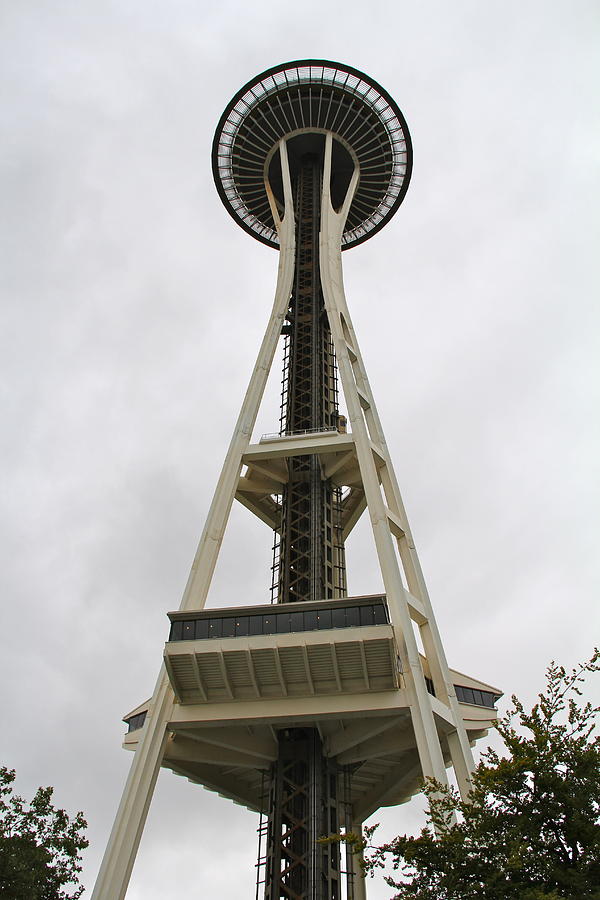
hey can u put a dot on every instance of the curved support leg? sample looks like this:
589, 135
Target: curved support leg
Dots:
364, 425
122, 847
203, 567
460, 750
119, 856
332, 225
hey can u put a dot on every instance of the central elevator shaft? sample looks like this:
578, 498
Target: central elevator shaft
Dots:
307, 790
311, 557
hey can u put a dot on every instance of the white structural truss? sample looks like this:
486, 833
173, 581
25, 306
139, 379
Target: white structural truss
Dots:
379, 704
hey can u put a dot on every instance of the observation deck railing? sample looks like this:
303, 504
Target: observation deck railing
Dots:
282, 618
299, 432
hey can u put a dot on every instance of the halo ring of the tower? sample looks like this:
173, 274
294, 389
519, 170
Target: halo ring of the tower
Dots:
313, 97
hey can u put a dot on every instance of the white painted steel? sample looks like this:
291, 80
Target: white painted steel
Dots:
332, 223
121, 850
363, 454
367, 430
115, 870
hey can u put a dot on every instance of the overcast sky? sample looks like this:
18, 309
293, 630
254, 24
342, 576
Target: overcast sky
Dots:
132, 309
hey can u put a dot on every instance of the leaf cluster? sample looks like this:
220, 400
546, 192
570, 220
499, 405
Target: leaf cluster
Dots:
40, 846
531, 828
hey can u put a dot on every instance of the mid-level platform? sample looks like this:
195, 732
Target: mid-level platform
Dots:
241, 676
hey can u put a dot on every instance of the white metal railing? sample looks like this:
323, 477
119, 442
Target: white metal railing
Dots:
272, 437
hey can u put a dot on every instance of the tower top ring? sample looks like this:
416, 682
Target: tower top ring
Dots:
312, 96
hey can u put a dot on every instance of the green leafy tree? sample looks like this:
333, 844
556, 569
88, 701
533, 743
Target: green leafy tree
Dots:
40, 846
531, 830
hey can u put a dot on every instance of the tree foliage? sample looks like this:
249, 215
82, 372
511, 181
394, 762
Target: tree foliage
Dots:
40, 846
531, 829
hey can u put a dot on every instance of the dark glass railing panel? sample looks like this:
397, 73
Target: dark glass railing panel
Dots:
469, 695
277, 621
136, 722
478, 698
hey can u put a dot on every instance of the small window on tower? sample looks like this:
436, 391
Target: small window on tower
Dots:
379, 614
255, 625
324, 619
338, 618
241, 626
311, 620
201, 629
283, 623
215, 627
176, 631
228, 627
366, 615
352, 616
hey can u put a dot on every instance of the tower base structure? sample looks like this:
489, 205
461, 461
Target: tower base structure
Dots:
313, 713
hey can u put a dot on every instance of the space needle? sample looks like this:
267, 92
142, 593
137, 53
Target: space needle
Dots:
311, 706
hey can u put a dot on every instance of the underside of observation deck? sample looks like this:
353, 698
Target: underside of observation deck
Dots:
299, 101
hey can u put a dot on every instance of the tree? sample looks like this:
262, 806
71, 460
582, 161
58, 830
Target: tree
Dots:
39, 846
531, 829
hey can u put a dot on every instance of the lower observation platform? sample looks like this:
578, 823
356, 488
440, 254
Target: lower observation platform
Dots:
291, 650
242, 676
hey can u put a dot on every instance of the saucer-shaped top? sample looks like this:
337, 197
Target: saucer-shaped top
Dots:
302, 100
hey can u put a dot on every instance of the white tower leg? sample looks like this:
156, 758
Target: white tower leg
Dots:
119, 857
388, 518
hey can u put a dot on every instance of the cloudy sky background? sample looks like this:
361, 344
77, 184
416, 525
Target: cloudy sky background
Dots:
132, 309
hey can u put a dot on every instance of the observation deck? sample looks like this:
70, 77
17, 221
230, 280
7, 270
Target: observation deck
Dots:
286, 650
242, 674
302, 101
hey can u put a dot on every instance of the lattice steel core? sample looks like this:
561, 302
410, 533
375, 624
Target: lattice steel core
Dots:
303, 795
307, 799
311, 553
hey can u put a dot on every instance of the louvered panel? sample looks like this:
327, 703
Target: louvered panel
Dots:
210, 672
280, 669
349, 660
320, 663
292, 664
264, 666
237, 669
184, 673
378, 657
